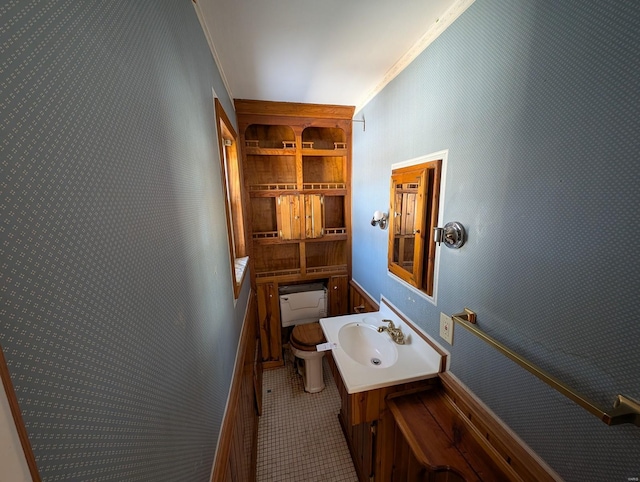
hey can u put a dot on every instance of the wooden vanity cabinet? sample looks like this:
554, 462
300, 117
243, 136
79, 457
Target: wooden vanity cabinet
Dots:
296, 161
368, 425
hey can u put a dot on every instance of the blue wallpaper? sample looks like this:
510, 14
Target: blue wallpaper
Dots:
117, 316
538, 103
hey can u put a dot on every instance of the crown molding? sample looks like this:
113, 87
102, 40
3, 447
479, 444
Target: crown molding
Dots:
212, 48
440, 25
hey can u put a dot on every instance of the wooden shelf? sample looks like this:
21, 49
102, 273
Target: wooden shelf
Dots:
263, 151
268, 238
274, 190
324, 152
324, 186
333, 233
296, 276
335, 269
283, 273
271, 190
266, 235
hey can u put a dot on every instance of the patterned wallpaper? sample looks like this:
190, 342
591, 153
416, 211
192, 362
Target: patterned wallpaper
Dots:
538, 103
117, 316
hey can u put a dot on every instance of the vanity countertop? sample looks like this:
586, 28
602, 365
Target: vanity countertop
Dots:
416, 359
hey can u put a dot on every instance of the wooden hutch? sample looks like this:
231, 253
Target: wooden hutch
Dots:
296, 162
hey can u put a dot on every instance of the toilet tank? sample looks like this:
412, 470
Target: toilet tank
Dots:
302, 303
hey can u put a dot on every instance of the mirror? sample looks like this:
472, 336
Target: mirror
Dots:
408, 200
415, 191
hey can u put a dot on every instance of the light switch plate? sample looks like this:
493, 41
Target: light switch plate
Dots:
446, 328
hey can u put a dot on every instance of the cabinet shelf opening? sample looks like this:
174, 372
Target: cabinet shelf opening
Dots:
270, 171
276, 257
334, 214
324, 138
269, 136
323, 170
263, 217
329, 253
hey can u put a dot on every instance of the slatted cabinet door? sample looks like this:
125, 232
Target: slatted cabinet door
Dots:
289, 215
313, 208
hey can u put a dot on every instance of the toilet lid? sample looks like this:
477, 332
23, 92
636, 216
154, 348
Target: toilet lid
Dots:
308, 335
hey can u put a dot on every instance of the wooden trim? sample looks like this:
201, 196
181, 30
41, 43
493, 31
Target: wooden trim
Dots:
434, 181
490, 429
226, 429
224, 456
231, 175
293, 109
440, 444
437, 455
443, 22
369, 303
17, 418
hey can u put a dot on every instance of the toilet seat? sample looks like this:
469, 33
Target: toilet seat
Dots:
306, 337
303, 340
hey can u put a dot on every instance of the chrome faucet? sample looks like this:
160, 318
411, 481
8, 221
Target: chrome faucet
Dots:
395, 333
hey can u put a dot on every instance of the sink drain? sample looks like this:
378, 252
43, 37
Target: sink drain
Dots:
376, 361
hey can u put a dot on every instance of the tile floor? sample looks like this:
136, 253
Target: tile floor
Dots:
299, 436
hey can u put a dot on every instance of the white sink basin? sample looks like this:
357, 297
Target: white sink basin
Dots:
356, 342
364, 344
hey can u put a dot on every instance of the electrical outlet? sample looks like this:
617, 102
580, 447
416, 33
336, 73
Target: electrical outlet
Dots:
446, 328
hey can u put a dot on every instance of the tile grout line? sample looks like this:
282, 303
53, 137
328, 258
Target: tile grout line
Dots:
299, 436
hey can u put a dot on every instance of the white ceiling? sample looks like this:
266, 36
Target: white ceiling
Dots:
319, 51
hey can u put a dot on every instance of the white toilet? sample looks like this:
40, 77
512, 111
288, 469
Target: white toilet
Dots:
303, 341
302, 306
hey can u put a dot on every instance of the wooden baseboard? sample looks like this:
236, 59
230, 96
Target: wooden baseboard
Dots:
270, 365
231, 462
